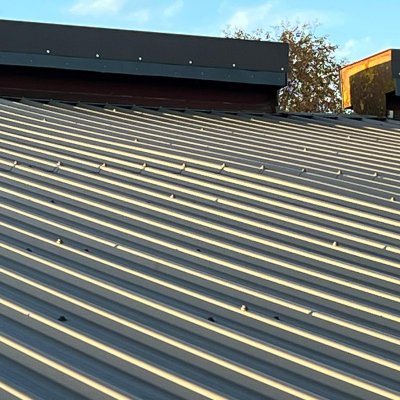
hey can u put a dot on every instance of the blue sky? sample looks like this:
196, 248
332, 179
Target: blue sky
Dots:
359, 27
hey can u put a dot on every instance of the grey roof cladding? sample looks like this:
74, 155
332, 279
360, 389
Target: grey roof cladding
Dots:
160, 254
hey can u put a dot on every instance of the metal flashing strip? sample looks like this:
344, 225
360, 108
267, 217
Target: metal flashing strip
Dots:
139, 68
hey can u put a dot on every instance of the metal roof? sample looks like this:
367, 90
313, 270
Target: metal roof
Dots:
161, 254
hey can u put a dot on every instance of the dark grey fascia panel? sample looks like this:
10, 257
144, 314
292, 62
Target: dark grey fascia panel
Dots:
149, 47
397, 86
396, 63
396, 69
144, 69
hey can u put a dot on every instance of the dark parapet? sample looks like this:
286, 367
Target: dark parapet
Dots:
47, 61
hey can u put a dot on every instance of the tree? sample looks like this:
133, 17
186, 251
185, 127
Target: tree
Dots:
313, 75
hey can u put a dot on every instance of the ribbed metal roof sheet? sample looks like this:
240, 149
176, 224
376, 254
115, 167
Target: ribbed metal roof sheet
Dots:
160, 254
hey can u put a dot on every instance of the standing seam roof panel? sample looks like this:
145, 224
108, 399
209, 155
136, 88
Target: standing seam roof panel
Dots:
142, 259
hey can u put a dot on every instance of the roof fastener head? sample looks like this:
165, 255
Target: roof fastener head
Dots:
393, 198
59, 241
97, 55
172, 196
48, 51
243, 307
335, 244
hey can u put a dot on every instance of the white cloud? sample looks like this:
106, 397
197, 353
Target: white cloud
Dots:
140, 17
345, 50
272, 13
173, 9
250, 17
352, 47
96, 7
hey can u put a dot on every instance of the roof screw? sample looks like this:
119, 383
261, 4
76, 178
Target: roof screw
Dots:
234, 65
243, 307
376, 174
59, 164
140, 58
144, 165
303, 170
190, 62
183, 166
172, 196
103, 165
48, 51
59, 241
305, 149
61, 318
393, 198
282, 68
223, 165
97, 55
335, 244
339, 172
15, 162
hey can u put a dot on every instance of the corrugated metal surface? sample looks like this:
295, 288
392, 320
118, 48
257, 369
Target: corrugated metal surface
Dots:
181, 255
